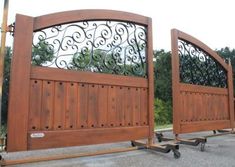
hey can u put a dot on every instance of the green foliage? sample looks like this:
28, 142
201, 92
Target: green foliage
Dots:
228, 54
162, 74
162, 88
45, 55
6, 79
162, 112
42, 53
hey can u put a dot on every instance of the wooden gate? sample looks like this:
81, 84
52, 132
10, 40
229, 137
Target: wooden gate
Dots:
80, 77
202, 87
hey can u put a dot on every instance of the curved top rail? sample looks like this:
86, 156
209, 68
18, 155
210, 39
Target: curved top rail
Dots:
188, 38
90, 14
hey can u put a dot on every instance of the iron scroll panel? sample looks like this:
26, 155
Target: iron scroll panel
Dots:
198, 67
103, 46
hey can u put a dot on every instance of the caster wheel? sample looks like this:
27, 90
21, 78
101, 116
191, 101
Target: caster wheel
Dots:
159, 137
133, 144
176, 154
202, 147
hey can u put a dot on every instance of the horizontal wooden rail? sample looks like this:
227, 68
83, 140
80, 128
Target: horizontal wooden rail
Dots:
46, 73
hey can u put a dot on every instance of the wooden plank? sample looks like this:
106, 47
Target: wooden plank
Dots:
59, 105
136, 107
144, 106
82, 113
47, 105
128, 106
20, 85
204, 126
120, 106
175, 81
231, 96
150, 83
103, 106
92, 106
47, 73
87, 136
183, 108
82, 15
35, 105
112, 106
71, 105
203, 89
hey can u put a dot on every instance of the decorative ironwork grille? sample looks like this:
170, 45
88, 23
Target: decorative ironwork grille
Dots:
198, 67
97, 46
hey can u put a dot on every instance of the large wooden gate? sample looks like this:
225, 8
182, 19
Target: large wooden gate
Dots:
202, 87
80, 77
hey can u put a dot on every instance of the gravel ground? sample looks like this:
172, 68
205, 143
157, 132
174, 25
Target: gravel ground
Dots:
219, 152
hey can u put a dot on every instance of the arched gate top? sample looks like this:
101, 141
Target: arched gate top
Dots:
188, 38
85, 15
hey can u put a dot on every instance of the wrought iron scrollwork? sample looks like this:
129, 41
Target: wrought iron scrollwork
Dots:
97, 46
199, 68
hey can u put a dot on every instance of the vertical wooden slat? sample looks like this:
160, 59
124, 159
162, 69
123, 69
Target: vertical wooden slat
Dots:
20, 84
200, 106
150, 83
120, 106
47, 105
92, 106
194, 107
144, 106
128, 106
182, 94
136, 106
82, 113
35, 105
71, 106
103, 106
112, 106
59, 105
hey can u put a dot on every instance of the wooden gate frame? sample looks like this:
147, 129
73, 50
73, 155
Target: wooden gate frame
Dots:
22, 71
177, 88
178, 100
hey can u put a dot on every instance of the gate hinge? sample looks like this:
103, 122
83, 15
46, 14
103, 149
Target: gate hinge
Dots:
11, 28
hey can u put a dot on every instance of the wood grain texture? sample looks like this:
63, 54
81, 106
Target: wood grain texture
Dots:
82, 15
150, 83
46, 73
74, 107
196, 107
20, 85
87, 137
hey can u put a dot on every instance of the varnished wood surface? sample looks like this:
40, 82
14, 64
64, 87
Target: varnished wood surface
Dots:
195, 107
55, 74
73, 107
19, 85
89, 136
84, 15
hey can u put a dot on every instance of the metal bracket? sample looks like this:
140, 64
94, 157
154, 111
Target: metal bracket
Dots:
164, 148
192, 142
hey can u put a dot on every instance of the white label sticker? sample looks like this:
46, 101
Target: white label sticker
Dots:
37, 135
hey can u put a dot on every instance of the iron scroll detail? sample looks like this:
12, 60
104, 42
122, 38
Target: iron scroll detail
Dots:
198, 67
98, 46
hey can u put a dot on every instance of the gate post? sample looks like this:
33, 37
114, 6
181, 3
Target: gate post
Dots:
231, 94
150, 83
19, 93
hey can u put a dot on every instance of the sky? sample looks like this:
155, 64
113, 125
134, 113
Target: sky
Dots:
211, 21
